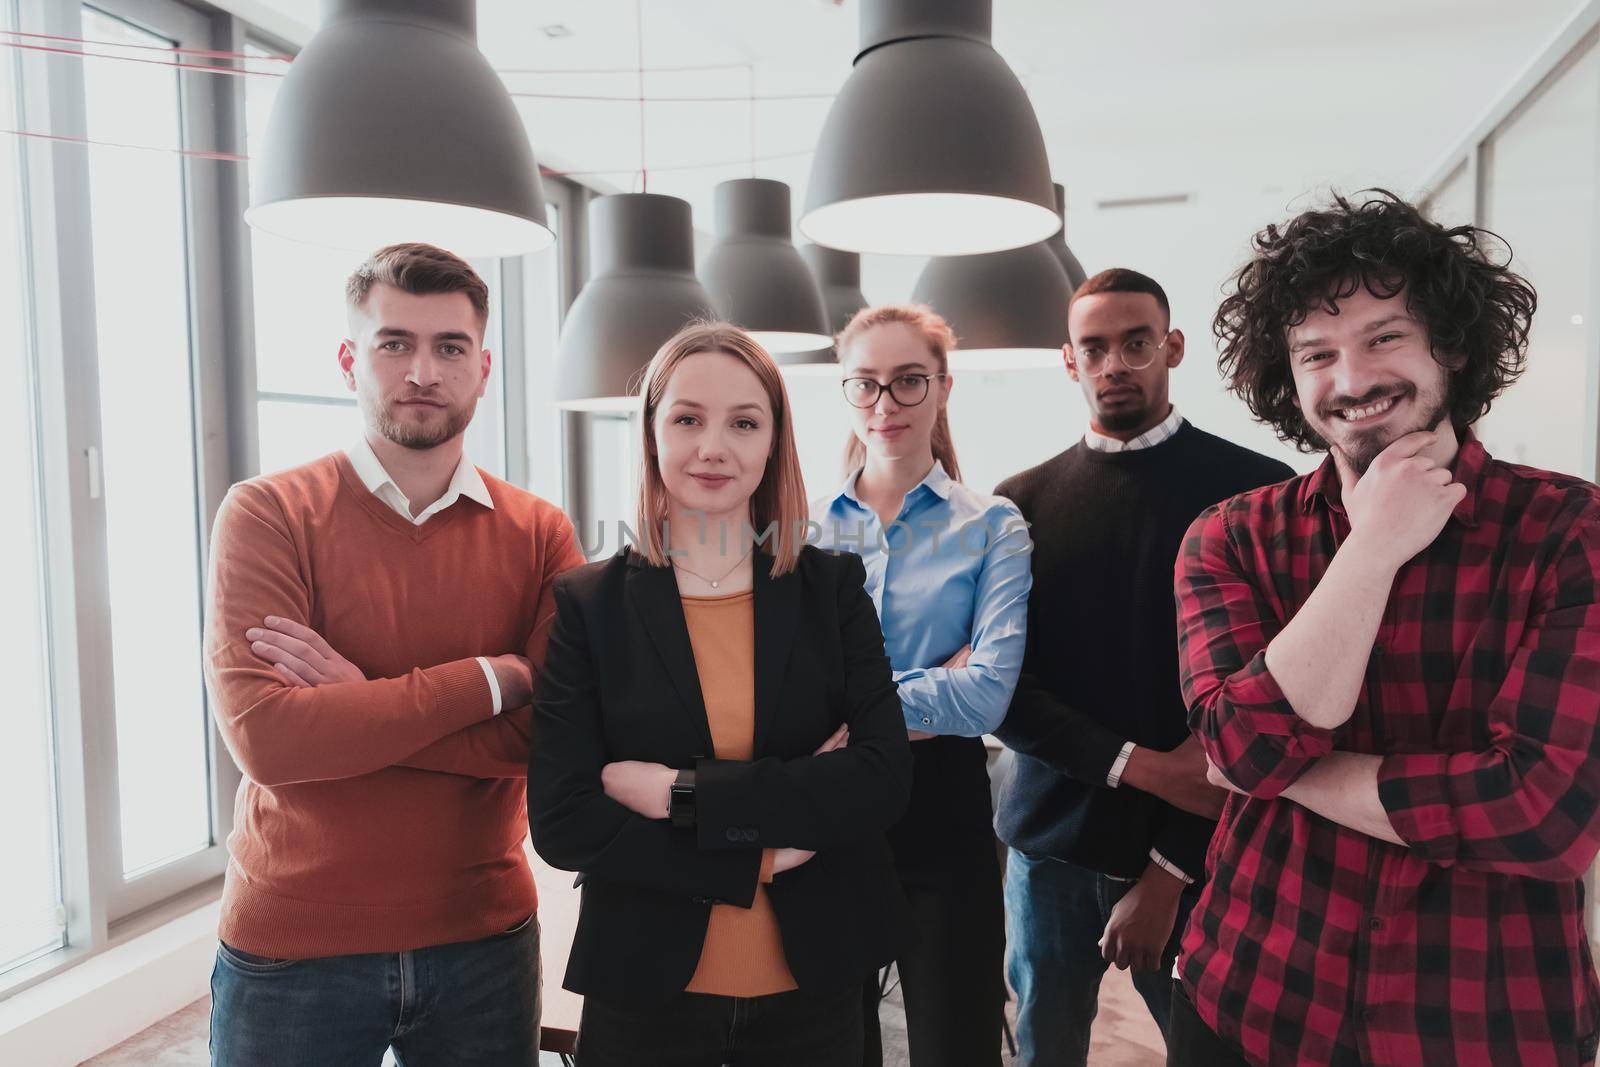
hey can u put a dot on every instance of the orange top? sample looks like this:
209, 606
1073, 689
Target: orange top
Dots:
743, 952
383, 815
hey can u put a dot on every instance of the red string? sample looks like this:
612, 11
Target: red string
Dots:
224, 157
206, 68
679, 166
202, 52
169, 63
738, 99
232, 157
210, 53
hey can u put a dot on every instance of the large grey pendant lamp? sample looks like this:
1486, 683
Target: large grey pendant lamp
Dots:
641, 290
838, 275
755, 276
1008, 309
931, 147
1076, 275
391, 126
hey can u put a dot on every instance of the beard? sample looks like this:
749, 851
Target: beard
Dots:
407, 432
1361, 447
1123, 420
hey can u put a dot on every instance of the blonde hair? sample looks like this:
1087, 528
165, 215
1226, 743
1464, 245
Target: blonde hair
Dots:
940, 339
780, 498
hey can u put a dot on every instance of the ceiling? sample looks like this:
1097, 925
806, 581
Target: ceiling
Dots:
1135, 99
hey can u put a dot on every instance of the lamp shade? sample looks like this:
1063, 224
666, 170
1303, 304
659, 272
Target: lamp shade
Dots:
1008, 309
931, 146
391, 126
838, 274
755, 276
641, 291
1076, 275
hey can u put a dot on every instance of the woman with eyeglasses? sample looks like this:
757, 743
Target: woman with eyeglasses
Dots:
719, 747
948, 569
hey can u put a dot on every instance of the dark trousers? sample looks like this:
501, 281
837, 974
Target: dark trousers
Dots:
952, 974
795, 1029
474, 1002
1191, 1043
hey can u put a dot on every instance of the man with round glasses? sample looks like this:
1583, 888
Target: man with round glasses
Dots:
1107, 811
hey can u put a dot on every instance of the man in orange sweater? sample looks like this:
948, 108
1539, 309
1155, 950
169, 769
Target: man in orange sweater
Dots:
375, 625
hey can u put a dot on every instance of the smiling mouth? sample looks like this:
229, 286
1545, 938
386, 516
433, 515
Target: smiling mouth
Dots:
1366, 412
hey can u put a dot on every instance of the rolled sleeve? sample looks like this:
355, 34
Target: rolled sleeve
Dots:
1236, 707
972, 700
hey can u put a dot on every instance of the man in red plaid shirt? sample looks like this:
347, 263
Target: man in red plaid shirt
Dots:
1394, 664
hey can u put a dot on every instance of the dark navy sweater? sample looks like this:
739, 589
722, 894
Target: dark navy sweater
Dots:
1101, 665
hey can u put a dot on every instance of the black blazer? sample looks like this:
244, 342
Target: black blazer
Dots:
619, 683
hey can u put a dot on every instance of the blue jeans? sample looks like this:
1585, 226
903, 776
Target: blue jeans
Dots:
1055, 916
473, 1002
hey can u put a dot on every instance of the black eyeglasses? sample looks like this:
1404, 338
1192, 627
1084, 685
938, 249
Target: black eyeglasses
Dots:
908, 390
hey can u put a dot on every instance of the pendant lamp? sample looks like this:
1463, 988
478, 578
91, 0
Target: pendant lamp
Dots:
1008, 309
754, 275
931, 146
641, 290
391, 126
838, 274
1076, 275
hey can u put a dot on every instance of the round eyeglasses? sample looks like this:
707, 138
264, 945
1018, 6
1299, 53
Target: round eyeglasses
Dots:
908, 390
1136, 354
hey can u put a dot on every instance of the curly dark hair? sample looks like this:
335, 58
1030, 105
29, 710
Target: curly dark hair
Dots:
1476, 310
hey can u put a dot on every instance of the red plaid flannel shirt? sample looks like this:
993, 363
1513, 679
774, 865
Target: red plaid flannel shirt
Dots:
1315, 944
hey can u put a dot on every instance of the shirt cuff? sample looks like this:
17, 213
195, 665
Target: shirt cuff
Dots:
1114, 775
1171, 868
494, 683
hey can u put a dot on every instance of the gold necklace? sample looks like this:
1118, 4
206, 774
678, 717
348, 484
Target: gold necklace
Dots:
717, 582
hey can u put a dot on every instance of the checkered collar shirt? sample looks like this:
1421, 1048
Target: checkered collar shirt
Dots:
1156, 434
1315, 944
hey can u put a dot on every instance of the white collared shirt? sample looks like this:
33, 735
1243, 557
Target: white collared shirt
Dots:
1149, 439
465, 482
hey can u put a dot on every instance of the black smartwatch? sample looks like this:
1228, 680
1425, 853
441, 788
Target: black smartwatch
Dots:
680, 799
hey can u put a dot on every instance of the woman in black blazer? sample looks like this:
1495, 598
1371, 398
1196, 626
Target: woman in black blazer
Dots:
731, 906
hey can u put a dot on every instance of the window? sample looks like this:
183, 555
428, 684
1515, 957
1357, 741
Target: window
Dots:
1451, 204
31, 916
1540, 169
140, 230
148, 373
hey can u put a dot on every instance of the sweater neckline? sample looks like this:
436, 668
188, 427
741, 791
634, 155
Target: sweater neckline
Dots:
390, 518
1137, 455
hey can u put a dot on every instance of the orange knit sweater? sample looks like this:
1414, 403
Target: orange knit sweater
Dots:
389, 814
743, 951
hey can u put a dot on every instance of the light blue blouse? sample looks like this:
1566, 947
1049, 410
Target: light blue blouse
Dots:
951, 570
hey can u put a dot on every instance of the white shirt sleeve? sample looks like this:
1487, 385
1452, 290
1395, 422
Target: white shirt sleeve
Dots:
1114, 775
1171, 868
494, 683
